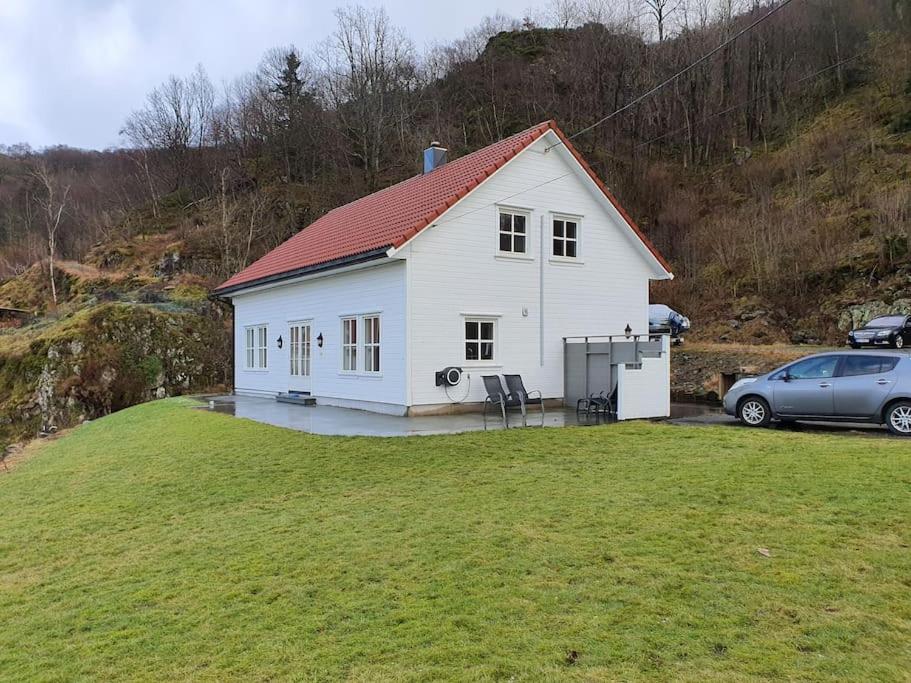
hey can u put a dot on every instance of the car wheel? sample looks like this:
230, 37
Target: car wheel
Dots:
754, 411
854, 345
898, 418
899, 342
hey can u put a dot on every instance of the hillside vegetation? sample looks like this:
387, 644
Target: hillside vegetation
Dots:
775, 177
102, 359
171, 543
811, 235
115, 339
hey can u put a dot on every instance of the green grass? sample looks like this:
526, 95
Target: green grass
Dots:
164, 543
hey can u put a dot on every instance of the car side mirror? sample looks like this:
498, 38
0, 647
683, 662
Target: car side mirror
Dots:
786, 376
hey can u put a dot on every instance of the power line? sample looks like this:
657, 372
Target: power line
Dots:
733, 107
708, 55
808, 77
661, 85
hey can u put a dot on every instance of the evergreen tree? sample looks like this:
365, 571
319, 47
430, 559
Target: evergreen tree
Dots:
290, 99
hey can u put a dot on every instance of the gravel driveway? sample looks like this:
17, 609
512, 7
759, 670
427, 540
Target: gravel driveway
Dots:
701, 414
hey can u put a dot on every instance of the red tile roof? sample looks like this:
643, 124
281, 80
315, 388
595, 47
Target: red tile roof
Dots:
391, 217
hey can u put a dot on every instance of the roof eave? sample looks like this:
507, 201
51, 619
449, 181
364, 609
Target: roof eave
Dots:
316, 269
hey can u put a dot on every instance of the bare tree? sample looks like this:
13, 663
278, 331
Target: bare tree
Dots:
52, 202
258, 204
563, 13
176, 119
442, 59
227, 206
370, 75
660, 11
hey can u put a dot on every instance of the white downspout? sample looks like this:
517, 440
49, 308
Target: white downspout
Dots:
541, 298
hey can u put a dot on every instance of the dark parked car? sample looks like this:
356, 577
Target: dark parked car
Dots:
861, 386
888, 330
665, 320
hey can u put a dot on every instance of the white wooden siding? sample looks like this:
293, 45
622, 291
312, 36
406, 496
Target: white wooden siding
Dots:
454, 270
645, 391
324, 301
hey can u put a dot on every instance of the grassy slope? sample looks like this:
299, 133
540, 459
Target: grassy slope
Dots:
166, 543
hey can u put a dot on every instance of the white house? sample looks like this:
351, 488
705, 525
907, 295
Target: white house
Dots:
486, 262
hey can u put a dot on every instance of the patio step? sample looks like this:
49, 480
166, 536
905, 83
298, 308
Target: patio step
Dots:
296, 399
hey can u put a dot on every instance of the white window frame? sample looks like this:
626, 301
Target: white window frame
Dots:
371, 344
514, 211
566, 218
256, 347
479, 340
346, 345
361, 346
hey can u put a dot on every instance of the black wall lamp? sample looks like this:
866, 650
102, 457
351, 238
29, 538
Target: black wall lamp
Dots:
280, 342
628, 331
319, 340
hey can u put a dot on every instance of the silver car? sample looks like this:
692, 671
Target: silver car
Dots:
858, 386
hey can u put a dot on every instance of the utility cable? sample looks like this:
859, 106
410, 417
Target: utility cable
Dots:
755, 99
708, 55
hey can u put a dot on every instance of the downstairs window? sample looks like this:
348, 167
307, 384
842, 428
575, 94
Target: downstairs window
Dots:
256, 347
479, 339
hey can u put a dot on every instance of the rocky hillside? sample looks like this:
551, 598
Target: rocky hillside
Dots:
129, 326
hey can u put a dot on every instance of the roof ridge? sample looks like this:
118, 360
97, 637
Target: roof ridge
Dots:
392, 216
451, 200
478, 151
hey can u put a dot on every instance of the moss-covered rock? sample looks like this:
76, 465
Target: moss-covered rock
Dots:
105, 358
860, 314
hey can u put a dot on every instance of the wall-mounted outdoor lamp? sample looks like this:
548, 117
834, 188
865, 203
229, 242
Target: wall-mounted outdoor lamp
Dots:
280, 342
628, 331
319, 340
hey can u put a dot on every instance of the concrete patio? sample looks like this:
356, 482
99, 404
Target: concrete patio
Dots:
333, 421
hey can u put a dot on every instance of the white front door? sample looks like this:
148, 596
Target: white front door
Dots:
299, 339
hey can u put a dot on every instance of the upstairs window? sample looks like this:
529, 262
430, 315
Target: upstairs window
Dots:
256, 347
479, 339
513, 232
566, 238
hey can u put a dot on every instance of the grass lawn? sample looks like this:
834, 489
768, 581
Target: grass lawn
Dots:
164, 543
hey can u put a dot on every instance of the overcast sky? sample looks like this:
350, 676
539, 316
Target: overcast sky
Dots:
72, 70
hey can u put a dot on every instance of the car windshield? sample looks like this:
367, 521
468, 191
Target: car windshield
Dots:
887, 321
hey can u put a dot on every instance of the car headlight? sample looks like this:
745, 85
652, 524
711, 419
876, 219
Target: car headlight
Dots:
884, 333
742, 382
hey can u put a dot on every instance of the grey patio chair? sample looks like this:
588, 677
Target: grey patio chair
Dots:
527, 398
498, 396
602, 404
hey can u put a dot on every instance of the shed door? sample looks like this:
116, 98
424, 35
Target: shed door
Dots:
299, 338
